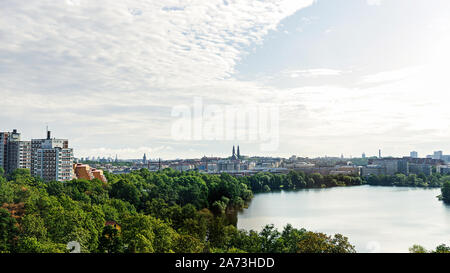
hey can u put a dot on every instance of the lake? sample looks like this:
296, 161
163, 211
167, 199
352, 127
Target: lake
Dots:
375, 219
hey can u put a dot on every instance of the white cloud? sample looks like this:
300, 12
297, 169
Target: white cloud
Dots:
106, 74
102, 72
390, 76
135, 44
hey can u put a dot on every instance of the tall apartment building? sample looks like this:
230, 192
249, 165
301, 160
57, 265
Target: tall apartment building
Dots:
14, 153
52, 159
19, 155
49, 158
3, 148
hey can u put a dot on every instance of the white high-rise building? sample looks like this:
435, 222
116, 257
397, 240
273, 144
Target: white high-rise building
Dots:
52, 159
414, 154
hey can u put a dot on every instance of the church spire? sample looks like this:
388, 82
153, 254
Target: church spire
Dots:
238, 153
233, 156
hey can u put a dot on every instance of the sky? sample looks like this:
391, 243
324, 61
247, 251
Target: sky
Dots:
340, 76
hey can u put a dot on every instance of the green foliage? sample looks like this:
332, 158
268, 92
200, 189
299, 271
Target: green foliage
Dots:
443, 248
166, 211
8, 231
411, 180
110, 241
265, 182
446, 191
417, 249
312, 242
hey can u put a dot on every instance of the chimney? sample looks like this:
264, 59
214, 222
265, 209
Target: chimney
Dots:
48, 134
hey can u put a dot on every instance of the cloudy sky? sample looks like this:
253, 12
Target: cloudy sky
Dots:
348, 76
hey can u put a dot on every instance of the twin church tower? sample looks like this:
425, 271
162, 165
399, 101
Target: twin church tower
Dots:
235, 156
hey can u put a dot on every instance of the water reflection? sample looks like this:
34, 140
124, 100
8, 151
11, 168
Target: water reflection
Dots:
375, 219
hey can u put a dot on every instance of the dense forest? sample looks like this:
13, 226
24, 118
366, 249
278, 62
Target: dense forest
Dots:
166, 211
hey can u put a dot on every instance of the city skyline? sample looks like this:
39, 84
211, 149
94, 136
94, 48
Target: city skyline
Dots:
224, 154
347, 77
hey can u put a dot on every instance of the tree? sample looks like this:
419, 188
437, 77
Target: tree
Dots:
137, 234
442, 249
270, 242
8, 231
22, 176
446, 191
110, 241
187, 244
291, 236
126, 191
321, 243
417, 249
33, 245
33, 226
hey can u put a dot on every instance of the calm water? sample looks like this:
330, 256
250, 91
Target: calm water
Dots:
375, 219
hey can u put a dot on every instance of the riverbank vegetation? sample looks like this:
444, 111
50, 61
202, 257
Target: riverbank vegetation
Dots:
411, 180
294, 180
445, 190
166, 211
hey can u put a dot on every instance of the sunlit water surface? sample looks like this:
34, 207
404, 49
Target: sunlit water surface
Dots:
375, 219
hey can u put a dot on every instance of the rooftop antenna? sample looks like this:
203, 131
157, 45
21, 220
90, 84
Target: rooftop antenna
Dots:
47, 132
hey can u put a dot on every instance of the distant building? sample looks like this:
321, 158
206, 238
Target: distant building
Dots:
414, 154
437, 155
84, 171
228, 165
391, 165
446, 158
233, 154
406, 165
346, 170
418, 168
372, 170
443, 169
144, 159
